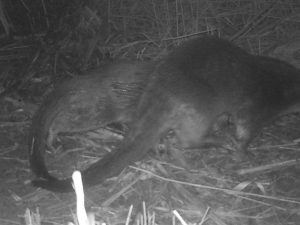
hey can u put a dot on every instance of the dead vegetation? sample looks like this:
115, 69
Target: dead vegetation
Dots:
43, 42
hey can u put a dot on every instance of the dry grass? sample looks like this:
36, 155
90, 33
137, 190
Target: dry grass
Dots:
51, 42
211, 190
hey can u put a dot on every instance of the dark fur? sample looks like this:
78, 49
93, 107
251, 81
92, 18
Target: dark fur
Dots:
187, 92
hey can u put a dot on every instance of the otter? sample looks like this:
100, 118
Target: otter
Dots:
94, 100
188, 91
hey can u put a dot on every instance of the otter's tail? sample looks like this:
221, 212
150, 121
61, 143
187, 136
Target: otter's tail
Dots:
111, 165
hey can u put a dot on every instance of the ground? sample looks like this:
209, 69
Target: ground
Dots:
279, 143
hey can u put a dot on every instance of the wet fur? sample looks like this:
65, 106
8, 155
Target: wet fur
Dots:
187, 92
99, 98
